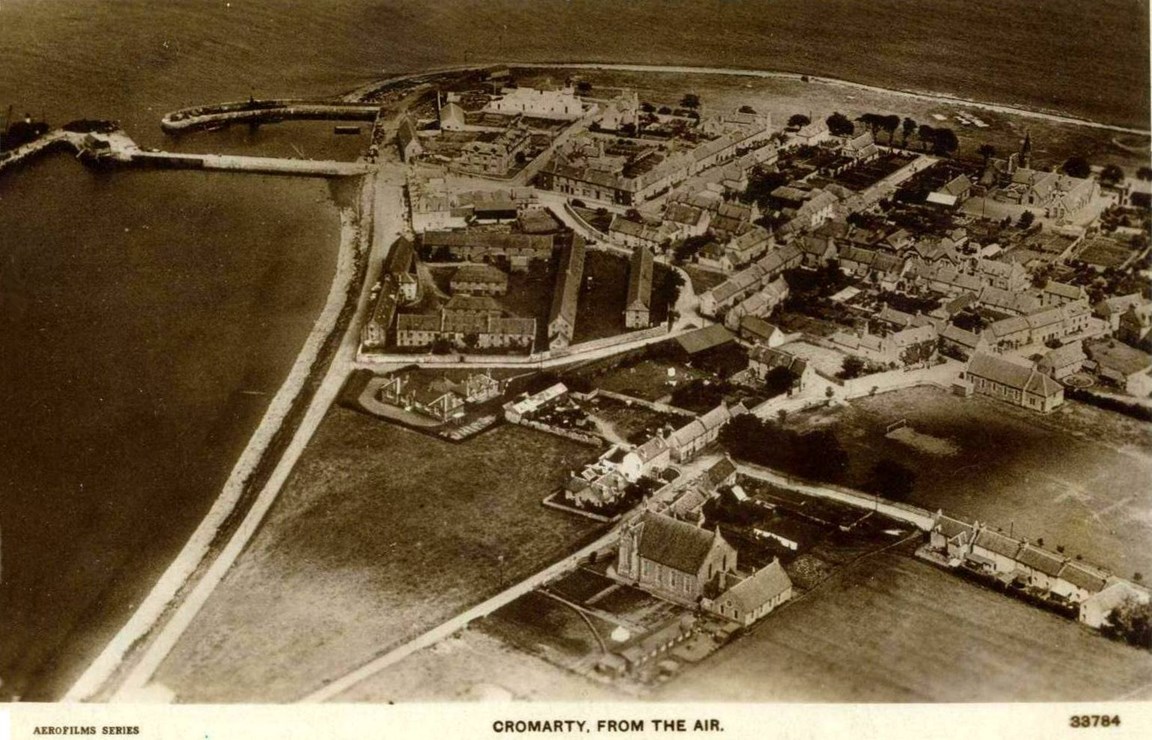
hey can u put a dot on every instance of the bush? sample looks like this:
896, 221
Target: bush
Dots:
817, 455
1133, 410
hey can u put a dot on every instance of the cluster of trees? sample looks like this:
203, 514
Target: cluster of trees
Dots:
816, 455
20, 133
1130, 622
778, 381
1110, 175
941, 141
876, 122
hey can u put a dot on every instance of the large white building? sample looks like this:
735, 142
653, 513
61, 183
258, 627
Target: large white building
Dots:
528, 101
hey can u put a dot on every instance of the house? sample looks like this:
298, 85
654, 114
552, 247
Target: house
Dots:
441, 397
817, 250
748, 599
739, 286
722, 473
761, 303
764, 359
952, 536
712, 348
671, 559
647, 459
1039, 565
1056, 293
1124, 366
1136, 326
408, 141
474, 245
479, 279
465, 329
953, 193
813, 133
860, 148
686, 220
1079, 581
640, 234
758, 331
569, 277
697, 434
647, 647
1111, 309
452, 117
1062, 361
1007, 301
1018, 384
960, 343
559, 104
994, 551
1010, 332
746, 247
637, 307
494, 152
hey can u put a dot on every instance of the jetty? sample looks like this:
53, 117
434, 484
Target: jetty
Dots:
256, 112
116, 148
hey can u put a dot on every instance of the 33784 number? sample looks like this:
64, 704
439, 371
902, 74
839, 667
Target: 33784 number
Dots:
1094, 720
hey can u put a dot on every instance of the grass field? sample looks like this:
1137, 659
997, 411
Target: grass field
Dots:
1077, 478
891, 628
380, 534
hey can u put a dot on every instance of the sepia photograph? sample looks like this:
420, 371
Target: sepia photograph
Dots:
368, 354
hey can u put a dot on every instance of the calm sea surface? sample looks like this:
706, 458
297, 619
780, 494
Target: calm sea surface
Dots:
145, 318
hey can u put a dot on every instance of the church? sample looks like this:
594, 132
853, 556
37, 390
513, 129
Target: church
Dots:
673, 559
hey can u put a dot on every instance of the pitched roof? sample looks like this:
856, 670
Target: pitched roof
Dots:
1083, 576
651, 449
951, 528
1001, 544
759, 588
758, 327
706, 338
479, 274
1064, 290
568, 279
675, 544
963, 337
640, 279
1062, 357
719, 472
1037, 558
1020, 377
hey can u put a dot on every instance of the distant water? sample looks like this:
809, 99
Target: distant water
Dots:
142, 315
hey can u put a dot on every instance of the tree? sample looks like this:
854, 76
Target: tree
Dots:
944, 142
851, 367
907, 128
667, 290
779, 380
665, 110
690, 100
1144, 173
1077, 166
891, 480
748, 109
1026, 220
1131, 622
583, 87
647, 107
926, 134
872, 121
1111, 175
986, 151
890, 124
798, 120
839, 125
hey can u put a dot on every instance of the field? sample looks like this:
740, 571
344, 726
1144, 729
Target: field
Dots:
380, 534
1103, 252
890, 628
474, 666
1053, 142
1077, 478
647, 379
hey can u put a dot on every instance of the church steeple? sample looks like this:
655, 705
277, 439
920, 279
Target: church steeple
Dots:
1026, 150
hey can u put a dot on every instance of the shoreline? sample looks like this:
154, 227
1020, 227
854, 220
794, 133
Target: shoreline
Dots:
1051, 115
160, 599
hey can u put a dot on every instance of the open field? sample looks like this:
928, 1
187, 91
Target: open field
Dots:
1077, 478
647, 379
380, 534
475, 666
890, 628
1053, 141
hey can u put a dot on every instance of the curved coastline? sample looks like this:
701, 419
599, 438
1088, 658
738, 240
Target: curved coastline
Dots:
168, 589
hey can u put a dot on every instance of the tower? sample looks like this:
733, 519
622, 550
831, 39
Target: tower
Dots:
1026, 150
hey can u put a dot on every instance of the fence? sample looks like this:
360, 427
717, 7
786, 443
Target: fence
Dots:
588, 439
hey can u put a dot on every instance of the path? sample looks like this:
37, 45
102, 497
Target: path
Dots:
921, 518
338, 686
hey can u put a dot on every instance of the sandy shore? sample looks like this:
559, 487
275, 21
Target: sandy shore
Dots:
155, 605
